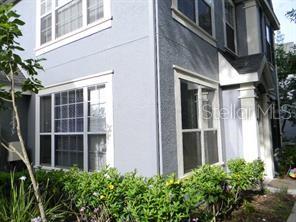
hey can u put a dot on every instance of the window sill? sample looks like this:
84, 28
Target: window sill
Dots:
83, 32
50, 168
228, 50
181, 18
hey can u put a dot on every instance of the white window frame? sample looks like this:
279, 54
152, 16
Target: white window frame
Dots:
104, 78
232, 26
184, 74
194, 26
85, 30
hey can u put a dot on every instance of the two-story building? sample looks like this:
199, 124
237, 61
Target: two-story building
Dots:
160, 86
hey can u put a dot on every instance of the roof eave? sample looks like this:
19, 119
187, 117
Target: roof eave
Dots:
271, 15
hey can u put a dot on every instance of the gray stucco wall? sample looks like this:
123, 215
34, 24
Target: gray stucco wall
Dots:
179, 46
232, 124
128, 49
242, 44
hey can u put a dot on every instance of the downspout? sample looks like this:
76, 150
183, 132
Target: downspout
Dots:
157, 86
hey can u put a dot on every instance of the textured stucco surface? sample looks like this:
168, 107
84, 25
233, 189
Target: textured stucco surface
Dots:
127, 48
179, 46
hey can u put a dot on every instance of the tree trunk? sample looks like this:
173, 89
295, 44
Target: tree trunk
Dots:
24, 153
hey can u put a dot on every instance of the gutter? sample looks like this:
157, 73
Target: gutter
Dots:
157, 87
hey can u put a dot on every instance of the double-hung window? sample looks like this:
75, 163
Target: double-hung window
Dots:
230, 29
199, 12
197, 122
60, 19
73, 126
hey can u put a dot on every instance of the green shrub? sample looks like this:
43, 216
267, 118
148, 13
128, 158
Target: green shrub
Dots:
128, 197
286, 158
209, 193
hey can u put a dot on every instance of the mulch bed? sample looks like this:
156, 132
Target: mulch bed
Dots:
270, 207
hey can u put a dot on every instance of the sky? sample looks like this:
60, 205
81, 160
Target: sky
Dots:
287, 28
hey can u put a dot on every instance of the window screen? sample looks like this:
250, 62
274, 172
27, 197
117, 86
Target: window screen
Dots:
199, 132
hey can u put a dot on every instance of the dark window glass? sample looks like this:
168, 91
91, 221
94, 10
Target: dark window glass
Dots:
230, 38
189, 105
211, 146
191, 150
45, 114
69, 150
187, 7
204, 16
45, 149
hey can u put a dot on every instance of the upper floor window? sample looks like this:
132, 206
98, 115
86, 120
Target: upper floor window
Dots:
59, 19
230, 31
198, 11
269, 43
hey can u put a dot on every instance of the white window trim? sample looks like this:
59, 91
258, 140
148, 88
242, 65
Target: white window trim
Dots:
84, 31
194, 27
97, 79
181, 73
232, 26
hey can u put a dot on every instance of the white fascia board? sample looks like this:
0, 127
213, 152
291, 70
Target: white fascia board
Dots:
229, 75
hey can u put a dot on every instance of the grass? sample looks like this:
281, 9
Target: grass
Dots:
270, 207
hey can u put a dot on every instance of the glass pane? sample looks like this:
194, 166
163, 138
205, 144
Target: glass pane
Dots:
70, 113
205, 16
229, 12
79, 95
79, 125
69, 17
64, 97
45, 149
45, 29
79, 110
230, 38
72, 96
267, 33
207, 107
96, 109
189, 105
96, 152
95, 10
96, 124
57, 99
211, 146
64, 111
69, 150
45, 6
45, 114
187, 7
191, 151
